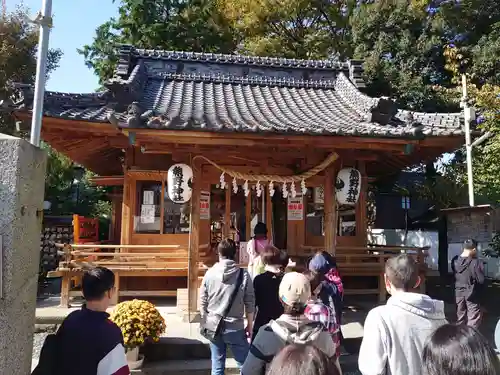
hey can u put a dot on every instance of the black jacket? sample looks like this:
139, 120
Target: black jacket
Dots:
267, 302
469, 277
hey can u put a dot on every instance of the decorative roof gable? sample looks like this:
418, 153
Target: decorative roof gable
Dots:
215, 92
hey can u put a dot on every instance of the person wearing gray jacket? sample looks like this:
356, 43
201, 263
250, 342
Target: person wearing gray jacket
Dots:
215, 295
395, 333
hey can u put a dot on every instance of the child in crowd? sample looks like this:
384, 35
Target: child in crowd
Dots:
469, 281
254, 249
301, 360
459, 350
332, 288
266, 286
290, 328
395, 334
317, 311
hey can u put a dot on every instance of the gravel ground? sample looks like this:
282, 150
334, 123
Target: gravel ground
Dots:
38, 340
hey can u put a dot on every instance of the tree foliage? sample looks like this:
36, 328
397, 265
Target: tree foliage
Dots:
18, 46
69, 193
308, 29
192, 25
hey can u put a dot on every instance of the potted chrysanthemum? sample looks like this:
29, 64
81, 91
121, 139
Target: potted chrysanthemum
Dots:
140, 322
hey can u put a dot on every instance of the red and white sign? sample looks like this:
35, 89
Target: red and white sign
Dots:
295, 208
204, 205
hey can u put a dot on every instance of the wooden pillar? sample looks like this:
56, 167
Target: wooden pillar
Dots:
65, 288
116, 296
227, 214
127, 212
330, 207
361, 209
382, 291
248, 217
194, 242
269, 214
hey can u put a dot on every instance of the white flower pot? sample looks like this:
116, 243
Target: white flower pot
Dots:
134, 359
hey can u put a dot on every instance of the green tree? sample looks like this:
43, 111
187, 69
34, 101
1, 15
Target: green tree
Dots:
18, 46
402, 44
192, 25
308, 29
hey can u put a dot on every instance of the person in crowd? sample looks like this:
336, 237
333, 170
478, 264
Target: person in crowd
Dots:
255, 247
317, 311
266, 286
290, 328
469, 281
332, 288
459, 350
300, 359
87, 341
395, 333
216, 294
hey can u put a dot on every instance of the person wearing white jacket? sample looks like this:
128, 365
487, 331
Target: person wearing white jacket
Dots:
395, 333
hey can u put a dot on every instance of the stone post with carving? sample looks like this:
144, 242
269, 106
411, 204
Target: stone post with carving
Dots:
22, 181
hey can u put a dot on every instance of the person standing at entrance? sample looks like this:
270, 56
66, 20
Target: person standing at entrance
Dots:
226, 296
255, 248
469, 281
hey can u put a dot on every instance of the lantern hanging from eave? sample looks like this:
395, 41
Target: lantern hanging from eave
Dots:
179, 183
348, 186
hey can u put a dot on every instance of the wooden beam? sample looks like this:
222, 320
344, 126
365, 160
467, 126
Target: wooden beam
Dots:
143, 136
194, 241
107, 180
273, 136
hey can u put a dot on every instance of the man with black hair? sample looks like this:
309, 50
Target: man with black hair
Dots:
469, 282
217, 293
395, 333
87, 341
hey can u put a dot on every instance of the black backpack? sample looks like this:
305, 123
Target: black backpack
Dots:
47, 364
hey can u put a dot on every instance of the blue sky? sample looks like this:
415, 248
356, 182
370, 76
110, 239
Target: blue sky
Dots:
75, 22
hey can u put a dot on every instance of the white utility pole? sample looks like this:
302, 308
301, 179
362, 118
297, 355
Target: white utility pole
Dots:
44, 21
469, 116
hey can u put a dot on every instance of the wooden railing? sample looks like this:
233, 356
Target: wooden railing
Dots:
369, 261
76, 258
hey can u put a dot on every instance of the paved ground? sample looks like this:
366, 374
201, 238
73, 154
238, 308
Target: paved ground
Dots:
354, 316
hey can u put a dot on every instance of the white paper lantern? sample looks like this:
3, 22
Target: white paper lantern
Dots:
348, 186
179, 183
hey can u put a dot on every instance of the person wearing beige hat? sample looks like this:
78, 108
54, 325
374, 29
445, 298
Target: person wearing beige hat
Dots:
290, 328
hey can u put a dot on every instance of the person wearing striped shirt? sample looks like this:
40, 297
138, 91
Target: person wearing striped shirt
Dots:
87, 343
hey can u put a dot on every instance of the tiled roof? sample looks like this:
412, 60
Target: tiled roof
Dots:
213, 92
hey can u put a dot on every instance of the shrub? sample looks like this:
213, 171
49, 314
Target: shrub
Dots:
139, 321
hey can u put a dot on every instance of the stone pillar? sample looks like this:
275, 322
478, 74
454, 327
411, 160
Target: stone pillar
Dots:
22, 181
